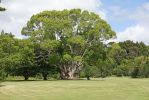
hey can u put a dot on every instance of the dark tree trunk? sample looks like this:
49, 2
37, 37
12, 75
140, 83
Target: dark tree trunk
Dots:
101, 72
26, 78
88, 78
26, 75
45, 76
135, 72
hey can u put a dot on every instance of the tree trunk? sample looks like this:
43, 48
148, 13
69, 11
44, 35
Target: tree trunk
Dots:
45, 76
26, 75
69, 69
67, 75
88, 78
26, 78
101, 72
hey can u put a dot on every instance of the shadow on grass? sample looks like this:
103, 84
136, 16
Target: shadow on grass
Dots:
27, 80
81, 79
2, 85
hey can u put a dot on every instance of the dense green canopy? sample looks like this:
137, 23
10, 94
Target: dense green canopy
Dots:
69, 44
71, 32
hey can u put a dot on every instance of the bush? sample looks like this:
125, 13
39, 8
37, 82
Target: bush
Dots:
2, 75
135, 72
55, 76
38, 76
118, 72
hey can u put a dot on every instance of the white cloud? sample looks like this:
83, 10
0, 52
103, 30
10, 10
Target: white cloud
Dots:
146, 6
138, 14
19, 11
140, 31
136, 33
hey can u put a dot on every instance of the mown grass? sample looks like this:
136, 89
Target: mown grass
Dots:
97, 89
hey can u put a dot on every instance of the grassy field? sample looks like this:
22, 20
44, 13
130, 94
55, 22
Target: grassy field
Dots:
107, 89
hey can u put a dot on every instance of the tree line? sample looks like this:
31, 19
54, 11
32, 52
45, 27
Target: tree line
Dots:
70, 44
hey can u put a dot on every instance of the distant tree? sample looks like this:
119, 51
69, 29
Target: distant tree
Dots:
124, 68
140, 67
123, 54
117, 53
134, 49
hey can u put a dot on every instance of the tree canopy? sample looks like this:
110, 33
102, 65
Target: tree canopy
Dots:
69, 44
70, 32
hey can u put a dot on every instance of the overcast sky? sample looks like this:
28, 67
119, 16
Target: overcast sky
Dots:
128, 18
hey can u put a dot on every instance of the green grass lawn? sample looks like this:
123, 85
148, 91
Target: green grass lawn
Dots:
107, 89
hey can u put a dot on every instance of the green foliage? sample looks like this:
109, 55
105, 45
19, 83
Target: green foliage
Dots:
54, 59
67, 58
78, 40
77, 59
129, 57
50, 45
70, 33
88, 71
2, 75
68, 42
123, 69
140, 67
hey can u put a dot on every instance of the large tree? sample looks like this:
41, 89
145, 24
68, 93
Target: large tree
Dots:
74, 30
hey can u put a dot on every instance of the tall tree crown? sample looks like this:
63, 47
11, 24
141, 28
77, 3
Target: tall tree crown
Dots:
68, 23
